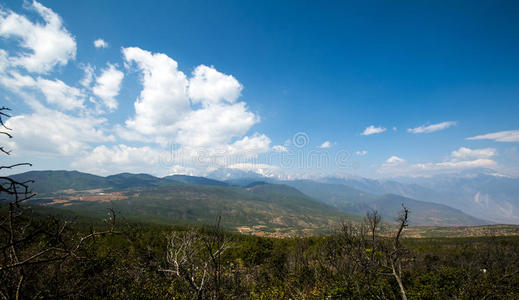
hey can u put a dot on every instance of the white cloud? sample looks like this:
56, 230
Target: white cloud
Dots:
325, 145
163, 110
373, 130
121, 158
261, 169
215, 124
501, 136
279, 148
394, 160
54, 133
108, 85
100, 43
249, 146
461, 159
199, 113
88, 76
361, 152
194, 160
56, 92
208, 86
48, 44
184, 170
468, 164
204, 159
391, 163
466, 153
16, 82
4, 60
163, 100
432, 128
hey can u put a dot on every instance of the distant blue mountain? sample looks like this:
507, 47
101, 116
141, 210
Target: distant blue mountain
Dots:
195, 180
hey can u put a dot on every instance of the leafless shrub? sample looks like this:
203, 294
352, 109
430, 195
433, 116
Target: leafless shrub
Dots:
29, 244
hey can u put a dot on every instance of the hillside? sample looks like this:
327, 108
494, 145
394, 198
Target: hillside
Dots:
53, 181
271, 209
423, 213
355, 201
481, 193
46, 182
241, 209
260, 206
195, 180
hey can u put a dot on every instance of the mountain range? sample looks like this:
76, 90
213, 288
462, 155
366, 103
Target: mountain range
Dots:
482, 193
250, 203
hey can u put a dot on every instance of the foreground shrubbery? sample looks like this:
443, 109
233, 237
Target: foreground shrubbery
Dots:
158, 262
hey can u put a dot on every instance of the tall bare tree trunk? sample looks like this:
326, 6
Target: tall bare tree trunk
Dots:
399, 281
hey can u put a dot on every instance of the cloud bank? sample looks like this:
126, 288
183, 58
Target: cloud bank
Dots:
461, 159
200, 113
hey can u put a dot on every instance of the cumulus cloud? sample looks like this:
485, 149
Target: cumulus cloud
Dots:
16, 82
88, 75
394, 160
54, 133
108, 85
208, 86
47, 44
279, 148
466, 153
56, 92
432, 127
261, 169
250, 145
100, 43
163, 100
373, 130
216, 124
477, 163
361, 152
121, 158
459, 160
165, 108
4, 60
199, 113
325, 145
501, 136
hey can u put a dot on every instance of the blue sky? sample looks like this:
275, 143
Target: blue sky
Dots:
252, 74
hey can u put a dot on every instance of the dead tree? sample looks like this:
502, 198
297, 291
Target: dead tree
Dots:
184, 262
215, 243
359, 251
194, 257
373, 220
356, 256
13, 193
396, 252
26, 243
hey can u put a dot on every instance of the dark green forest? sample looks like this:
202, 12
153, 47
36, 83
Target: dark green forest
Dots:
91, 260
